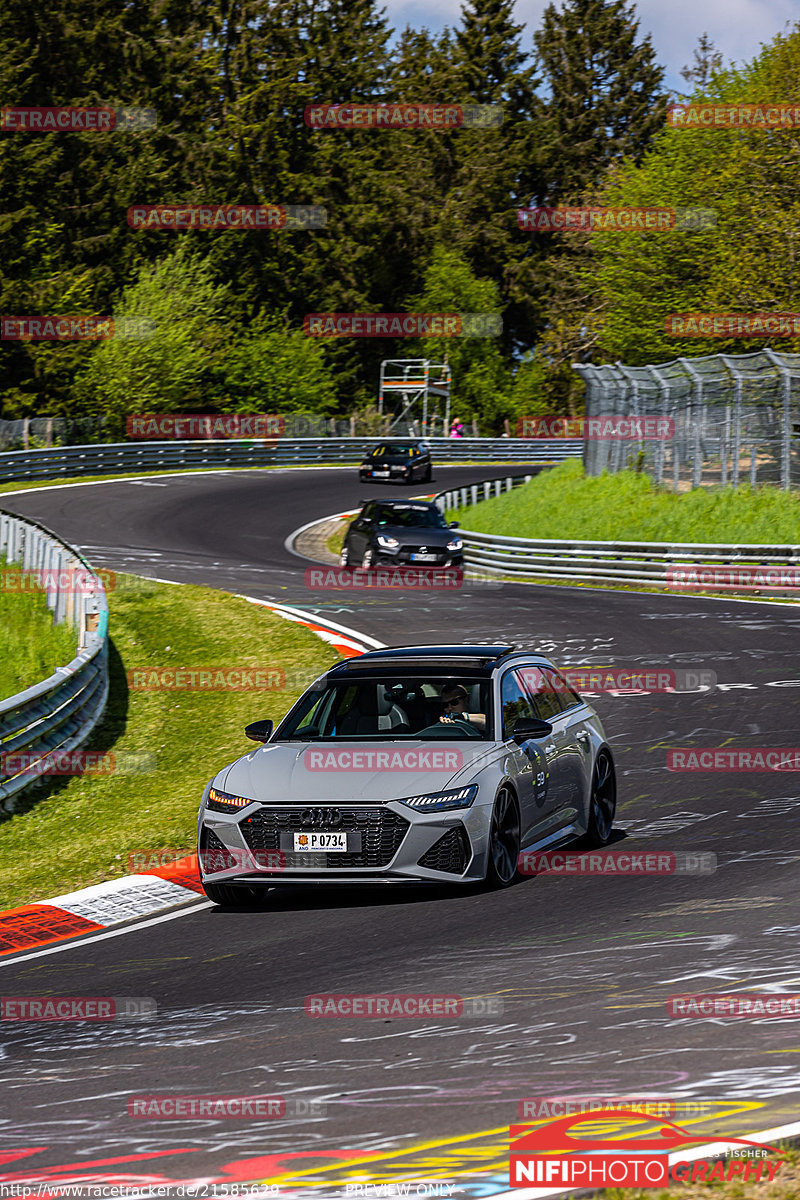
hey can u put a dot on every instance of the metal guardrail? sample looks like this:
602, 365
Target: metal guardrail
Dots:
122, 457
58, 714
643, 563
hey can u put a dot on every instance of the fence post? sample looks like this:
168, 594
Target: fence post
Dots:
786, 417
634, 386
697, 400
737, 417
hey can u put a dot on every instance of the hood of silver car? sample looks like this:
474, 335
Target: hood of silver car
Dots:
318, 771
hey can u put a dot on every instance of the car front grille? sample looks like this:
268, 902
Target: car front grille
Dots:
451, 853
381, 829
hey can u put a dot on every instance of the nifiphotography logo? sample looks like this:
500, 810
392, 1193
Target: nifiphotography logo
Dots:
547, 1155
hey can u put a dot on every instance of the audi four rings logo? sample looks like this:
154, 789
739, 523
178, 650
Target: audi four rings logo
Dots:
321, 818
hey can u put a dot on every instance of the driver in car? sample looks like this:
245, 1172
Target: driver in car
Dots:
455, 698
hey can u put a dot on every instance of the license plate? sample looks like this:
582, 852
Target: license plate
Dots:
423, 557
380, 474
332, 843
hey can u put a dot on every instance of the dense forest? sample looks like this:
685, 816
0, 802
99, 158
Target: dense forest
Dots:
419, 220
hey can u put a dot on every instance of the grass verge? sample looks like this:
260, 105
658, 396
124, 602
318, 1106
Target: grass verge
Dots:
565, 503
72, 832
335, 542
31, 646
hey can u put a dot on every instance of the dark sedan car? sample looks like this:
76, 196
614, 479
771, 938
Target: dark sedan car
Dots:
401, 462
400, 532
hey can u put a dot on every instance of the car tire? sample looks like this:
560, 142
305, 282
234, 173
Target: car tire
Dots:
426, 478
368, 560
231, 895
344, 559
504, 837
602, 801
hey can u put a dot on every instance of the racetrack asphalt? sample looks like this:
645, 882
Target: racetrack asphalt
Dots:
583, 966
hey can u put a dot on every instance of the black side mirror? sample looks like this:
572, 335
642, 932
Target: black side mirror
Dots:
455, 524
531, 727
259, 731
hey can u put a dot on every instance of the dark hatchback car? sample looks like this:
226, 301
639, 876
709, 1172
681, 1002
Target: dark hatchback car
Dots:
401, 532
401, 462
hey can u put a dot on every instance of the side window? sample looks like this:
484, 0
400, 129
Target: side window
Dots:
541, 684
368, 512
567, 695
514, 703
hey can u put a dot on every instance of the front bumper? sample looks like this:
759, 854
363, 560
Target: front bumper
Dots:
397, 845
445, 558
385, 474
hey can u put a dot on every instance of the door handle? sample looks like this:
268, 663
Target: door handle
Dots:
583, 736
550, 748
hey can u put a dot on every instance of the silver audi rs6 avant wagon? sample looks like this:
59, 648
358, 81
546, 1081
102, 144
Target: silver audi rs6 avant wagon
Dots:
423, 764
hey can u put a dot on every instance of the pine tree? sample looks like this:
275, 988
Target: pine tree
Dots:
65, 245
495, 167
707, 61
605, 95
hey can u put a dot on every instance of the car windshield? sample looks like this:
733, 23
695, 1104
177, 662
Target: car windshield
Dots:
393, 448
391, 708
409, 515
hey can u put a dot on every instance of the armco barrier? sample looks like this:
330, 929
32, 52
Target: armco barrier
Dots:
642, 563
58, 714
123, 457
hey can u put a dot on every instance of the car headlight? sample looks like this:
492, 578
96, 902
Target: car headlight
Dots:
456, 544
436, 801
387, 543
225, 801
